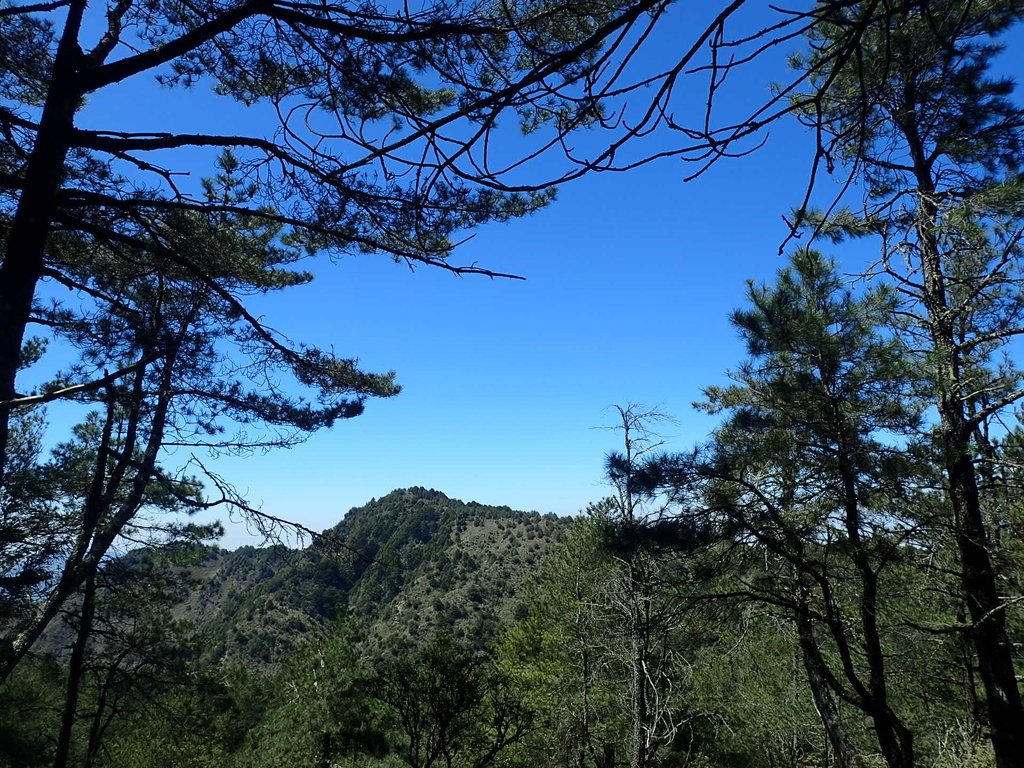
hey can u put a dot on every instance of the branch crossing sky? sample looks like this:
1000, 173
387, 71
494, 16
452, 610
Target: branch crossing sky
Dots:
508, 385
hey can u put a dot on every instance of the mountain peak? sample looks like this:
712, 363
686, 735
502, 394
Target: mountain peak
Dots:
403, 566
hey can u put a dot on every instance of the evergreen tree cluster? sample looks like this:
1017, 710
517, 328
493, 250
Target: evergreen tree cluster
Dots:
832, 578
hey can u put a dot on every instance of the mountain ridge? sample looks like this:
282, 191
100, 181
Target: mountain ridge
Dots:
402, 567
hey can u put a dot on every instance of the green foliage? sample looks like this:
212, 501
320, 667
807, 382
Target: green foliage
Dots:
559, 653
320, 709
598, 623
403, 566
750, 698
553, 692
198, 725
29, 707
451, 705
30, 527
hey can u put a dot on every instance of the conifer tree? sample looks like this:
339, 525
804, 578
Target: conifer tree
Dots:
560, 653
808, 485
168, 341
935, 141
641, 608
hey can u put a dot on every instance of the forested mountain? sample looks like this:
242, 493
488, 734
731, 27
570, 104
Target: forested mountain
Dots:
832, 576
403, 565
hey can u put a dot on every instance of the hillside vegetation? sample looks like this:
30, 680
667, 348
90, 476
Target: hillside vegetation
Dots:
832, 576
404, 566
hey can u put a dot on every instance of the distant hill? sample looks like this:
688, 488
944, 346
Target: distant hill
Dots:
402, 566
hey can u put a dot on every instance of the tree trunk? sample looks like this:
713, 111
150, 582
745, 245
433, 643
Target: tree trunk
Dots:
638, 598
977, 572
828, 711
894, 738
76, 666
23, 261
326, 750
985, 605
895, 741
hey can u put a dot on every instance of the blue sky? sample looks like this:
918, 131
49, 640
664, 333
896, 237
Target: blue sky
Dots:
628, 282
507, 385
630, 278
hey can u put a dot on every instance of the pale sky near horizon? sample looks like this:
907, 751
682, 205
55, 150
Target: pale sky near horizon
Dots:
507, 384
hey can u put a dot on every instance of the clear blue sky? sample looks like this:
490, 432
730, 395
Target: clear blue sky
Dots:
506, 384
630, 279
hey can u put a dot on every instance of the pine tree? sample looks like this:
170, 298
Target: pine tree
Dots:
809, 481
935, 142
189, 365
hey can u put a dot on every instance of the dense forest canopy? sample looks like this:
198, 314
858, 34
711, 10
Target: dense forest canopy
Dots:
832, 577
